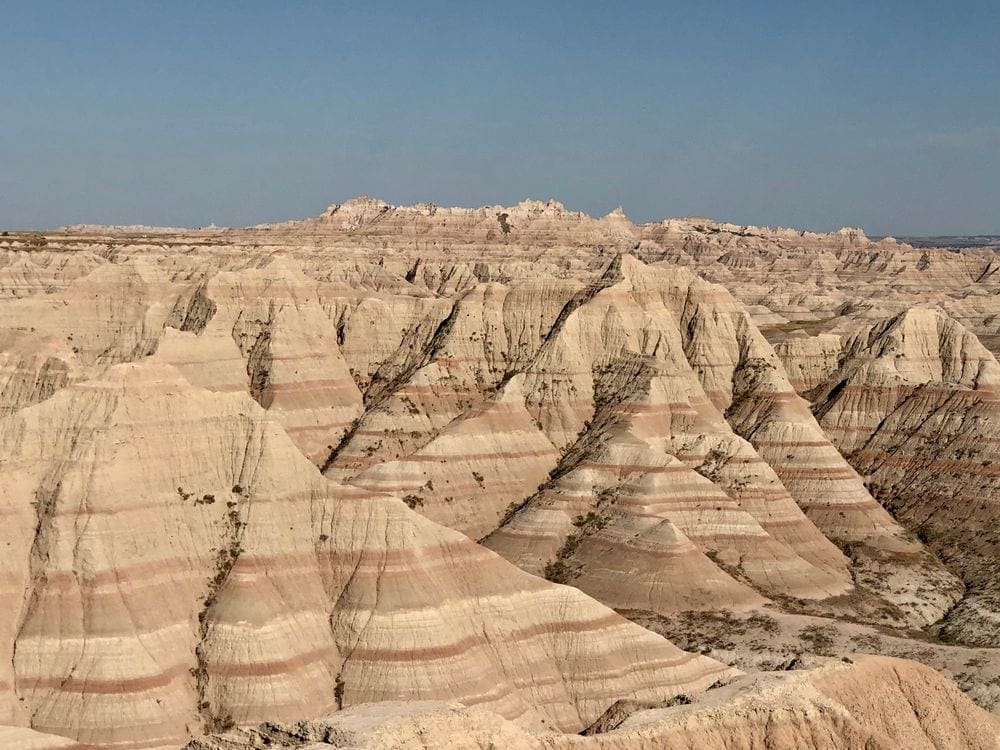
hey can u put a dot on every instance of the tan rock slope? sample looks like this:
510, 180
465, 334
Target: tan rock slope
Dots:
877, 703
171, 561
330, 473
914, 404
265, 330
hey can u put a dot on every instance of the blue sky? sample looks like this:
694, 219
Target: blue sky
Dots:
818, 115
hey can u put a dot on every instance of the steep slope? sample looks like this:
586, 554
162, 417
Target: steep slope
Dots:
447, 366
28, 271
741, 373
582, 368
172, 561
745, 462
32, 368
265, 331
654, 368
699, 352
915, 406
113, 314
474, 469
876, 703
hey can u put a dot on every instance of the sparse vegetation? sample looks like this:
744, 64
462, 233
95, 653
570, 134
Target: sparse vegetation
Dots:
819, 639
36, 241
338, 692
225, 560
560, 570
413, 501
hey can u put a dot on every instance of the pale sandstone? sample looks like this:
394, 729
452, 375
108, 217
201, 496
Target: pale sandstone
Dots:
565, 388
876, 703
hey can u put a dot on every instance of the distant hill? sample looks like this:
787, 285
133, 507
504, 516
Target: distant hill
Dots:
953, 241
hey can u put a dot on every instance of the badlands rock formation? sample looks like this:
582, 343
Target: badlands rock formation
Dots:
174, 561
831, 707
318, 477
913, 403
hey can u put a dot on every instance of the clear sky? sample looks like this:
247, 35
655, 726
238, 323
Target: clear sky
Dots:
813, 114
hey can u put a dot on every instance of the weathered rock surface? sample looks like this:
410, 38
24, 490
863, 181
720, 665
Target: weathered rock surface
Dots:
914, 405
876, 703
172, 561
271, 474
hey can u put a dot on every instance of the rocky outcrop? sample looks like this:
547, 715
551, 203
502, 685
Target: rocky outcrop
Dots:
914, 405
474, 469
875, 703
180, 564
32, 368
255, 478
265, 331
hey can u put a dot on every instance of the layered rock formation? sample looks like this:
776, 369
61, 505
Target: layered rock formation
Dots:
317, 474
178, 563
914, 404
266, 331
876, 703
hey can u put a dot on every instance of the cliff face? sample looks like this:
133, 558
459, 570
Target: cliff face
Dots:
914, 405
322, 473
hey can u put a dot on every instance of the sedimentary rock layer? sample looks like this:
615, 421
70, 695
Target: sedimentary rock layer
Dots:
914, 404
274, 473
172, 561
877, 703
